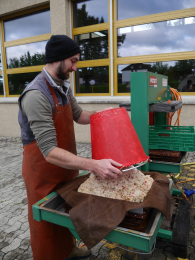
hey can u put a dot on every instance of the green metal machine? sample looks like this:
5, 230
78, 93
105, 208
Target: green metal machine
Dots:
150, 92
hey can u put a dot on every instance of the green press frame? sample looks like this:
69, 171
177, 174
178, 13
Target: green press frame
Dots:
143, 93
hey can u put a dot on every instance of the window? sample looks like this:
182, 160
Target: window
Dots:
91, 33
180, 73
163, 37
24, 37
17, 82
91, 12
92, 80
115, 38
125, 36
31, 54
93, 45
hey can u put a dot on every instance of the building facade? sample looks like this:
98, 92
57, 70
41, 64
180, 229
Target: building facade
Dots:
116, 37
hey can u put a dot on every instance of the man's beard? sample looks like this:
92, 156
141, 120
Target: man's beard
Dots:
60, 71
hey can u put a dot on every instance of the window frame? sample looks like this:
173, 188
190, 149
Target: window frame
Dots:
26, 40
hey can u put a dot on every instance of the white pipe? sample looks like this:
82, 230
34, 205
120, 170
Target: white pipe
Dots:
111, 49
2, 63
70, 18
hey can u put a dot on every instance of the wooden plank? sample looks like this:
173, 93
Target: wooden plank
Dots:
180, 232
181, 224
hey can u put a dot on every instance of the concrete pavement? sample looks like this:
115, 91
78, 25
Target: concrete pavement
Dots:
14, 228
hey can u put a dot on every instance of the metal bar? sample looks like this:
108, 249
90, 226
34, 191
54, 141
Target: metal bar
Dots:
131, 167
167, 234
131, 239
164, 167
37, 211
177, 192
140, 109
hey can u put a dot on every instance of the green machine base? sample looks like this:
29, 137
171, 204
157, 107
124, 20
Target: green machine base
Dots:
51, 209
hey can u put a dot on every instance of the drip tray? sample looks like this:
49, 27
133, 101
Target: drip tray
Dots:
136, 219
132, 222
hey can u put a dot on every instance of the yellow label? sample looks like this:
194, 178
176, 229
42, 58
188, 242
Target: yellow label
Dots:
159, 98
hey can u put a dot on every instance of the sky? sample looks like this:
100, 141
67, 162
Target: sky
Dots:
31, 25
161, 37
131, 8
17, 51
96, 8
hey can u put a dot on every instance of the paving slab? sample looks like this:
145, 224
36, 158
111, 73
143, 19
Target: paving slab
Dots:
14, 227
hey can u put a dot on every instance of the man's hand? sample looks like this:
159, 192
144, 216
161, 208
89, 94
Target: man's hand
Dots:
106, 168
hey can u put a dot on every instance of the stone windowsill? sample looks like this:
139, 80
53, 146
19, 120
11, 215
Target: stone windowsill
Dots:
186, 100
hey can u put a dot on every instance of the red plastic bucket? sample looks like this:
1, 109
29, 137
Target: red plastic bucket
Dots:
114, 137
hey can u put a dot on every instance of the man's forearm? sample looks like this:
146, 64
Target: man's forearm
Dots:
105, 168
84, 118
68, 160
85, 115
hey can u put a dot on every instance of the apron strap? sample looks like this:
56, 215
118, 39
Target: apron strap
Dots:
57, 107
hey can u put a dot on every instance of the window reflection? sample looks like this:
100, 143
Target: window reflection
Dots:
17, 82
92, 80
93, 45
89, 12
27, 26
129, 8
181, 74
25, 55
162, 37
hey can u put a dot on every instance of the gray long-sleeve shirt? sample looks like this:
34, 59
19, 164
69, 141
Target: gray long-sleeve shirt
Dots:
38, 110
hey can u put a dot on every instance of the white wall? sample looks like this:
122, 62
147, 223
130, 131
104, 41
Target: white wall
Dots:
9, 126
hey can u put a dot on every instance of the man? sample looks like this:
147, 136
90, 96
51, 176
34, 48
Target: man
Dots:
47, 109
187, 87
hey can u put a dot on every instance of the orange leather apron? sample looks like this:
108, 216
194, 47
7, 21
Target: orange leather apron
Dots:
49, 241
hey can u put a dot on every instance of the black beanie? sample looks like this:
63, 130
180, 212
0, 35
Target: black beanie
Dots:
60, 47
